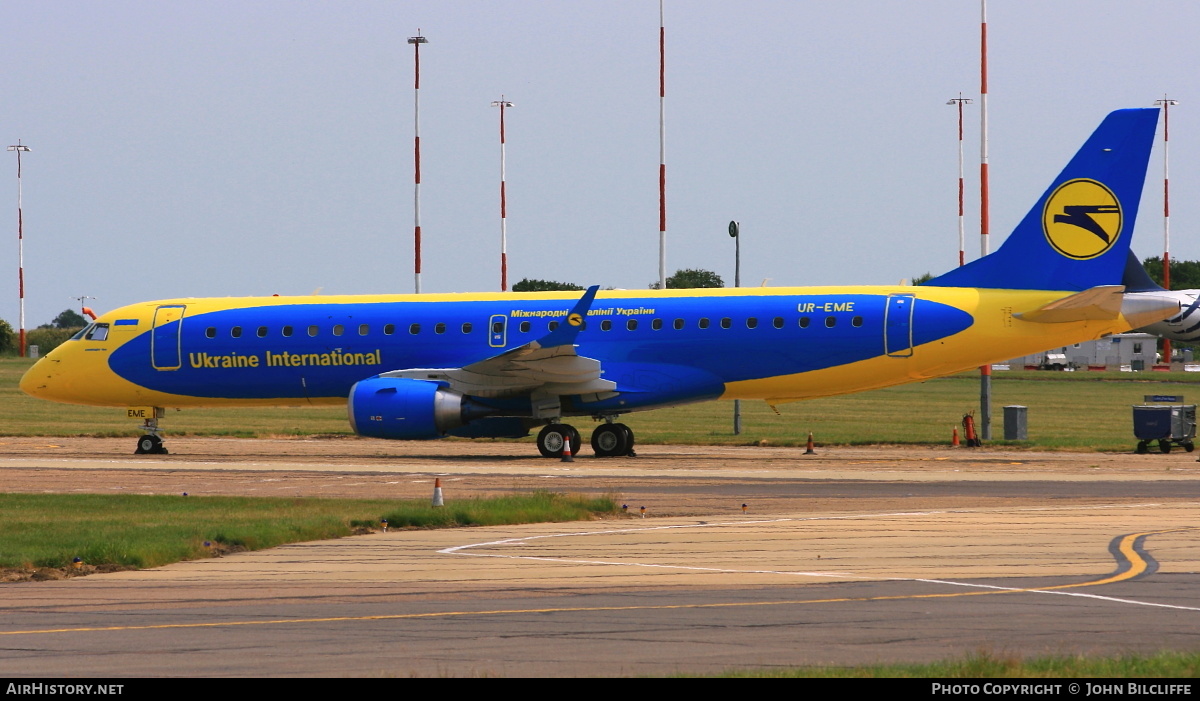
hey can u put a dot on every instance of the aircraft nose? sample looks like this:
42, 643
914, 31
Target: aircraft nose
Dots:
41, 379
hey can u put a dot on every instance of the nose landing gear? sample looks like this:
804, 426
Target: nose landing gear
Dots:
151, 443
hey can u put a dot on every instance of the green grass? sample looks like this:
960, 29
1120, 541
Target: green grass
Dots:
50, 530
1067, 411
1163, 665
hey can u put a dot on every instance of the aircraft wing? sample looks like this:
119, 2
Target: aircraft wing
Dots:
548, 366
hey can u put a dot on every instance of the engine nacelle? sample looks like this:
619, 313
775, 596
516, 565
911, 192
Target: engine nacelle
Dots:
400, 408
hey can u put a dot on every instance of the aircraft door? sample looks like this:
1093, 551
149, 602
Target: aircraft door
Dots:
166, 352
897, 325
498, 331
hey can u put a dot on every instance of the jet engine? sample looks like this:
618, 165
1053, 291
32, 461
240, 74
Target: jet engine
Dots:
404, 409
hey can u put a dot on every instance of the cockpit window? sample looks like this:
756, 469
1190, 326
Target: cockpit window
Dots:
97, 332
80, 333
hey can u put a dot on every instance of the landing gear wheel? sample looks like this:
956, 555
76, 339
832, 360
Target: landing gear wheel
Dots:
1142, 448
628, 432
1164, 446
551, 439
150, 445
611, 440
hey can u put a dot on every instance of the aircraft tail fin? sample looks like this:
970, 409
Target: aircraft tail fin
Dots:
1076, 236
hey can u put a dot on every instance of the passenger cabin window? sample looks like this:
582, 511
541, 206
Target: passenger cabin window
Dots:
312, 330
439, 328
656, 324
777, 322
414, 329
364, 329
751, 323
287, 331
497, 327
631, 324
679, 324
262, 332
552, 325
338, 329
856, 321
99, 332
466, 327
703, 323
804, 322
606, 325
525, 326
830, 321
236, 332
210, 332
726, 323
389, 329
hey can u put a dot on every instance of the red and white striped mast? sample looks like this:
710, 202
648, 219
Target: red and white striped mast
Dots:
662, 149
962, 237
503, 104
416, 42
1166, 104
985, 372
984, 214
20, 148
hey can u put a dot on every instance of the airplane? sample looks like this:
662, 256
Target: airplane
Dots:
423, 366
1184, 326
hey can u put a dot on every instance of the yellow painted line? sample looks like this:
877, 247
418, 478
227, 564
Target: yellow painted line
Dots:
1126, 548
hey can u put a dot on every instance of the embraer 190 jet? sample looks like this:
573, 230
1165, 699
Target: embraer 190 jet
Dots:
501, 364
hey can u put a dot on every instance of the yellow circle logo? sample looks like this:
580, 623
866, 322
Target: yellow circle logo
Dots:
1082, 219
575, 319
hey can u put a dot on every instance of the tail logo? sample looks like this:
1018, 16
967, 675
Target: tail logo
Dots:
1082, 219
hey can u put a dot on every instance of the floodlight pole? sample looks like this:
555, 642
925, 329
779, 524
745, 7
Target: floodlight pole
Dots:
962, 240
503, 104
416, 42
1166, 104
20, 148
734, 230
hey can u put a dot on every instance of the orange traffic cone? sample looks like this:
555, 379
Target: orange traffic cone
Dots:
809, 449
566, 456
954, 438
437, 492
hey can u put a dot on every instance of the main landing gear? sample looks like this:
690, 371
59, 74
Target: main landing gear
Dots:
151, 443
608, 440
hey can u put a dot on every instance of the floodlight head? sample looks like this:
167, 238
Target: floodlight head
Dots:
418, 40
18, 147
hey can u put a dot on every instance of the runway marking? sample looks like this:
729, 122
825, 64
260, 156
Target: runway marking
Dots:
1132, 562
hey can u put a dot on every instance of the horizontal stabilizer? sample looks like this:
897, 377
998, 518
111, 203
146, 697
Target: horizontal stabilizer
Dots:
1104, 303
1099, 303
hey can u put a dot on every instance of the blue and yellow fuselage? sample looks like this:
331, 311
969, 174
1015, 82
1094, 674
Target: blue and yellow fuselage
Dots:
658, 347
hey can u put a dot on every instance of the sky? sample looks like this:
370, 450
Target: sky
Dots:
245, 148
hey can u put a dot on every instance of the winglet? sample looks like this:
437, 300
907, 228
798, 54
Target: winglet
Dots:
566, 332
